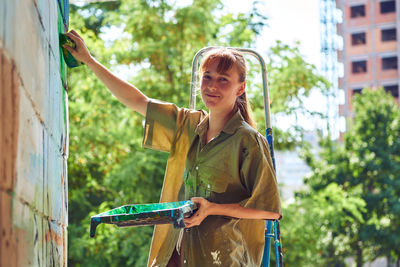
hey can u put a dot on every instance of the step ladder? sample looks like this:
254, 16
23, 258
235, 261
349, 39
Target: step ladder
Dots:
272, 227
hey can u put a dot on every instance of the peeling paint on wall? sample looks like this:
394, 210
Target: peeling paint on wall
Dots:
33, 134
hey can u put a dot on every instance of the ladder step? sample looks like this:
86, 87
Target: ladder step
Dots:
269, 235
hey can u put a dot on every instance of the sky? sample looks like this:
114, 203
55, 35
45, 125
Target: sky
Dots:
290, 21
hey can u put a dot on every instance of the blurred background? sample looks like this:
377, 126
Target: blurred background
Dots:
333, 75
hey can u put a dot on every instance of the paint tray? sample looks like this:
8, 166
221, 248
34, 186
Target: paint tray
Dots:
145, 214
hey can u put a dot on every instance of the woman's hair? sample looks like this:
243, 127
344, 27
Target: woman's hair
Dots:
229, 58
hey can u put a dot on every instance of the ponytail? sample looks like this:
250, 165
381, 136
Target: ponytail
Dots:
245, 110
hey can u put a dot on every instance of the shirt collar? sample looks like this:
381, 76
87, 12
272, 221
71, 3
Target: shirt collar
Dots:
230, 128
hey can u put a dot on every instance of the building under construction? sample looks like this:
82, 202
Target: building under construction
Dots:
360, 49
370, 48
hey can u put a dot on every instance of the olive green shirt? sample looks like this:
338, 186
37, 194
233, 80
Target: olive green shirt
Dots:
234, 167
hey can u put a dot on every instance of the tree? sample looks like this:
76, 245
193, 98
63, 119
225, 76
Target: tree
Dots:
291, 79
312, 226
368, 161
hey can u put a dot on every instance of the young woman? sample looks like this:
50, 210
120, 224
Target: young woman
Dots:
218, 160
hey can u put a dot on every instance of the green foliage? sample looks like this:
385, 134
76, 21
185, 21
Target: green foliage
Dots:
107, 165
367, 164
290, 73
290, 80
312, 226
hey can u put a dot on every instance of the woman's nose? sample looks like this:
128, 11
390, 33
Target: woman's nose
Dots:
213, 84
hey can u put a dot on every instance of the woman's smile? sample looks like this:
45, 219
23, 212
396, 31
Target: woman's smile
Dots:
212, 95
220, 90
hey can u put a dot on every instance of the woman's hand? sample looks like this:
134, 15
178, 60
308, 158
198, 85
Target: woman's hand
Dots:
234, 210
80, 52
202, 212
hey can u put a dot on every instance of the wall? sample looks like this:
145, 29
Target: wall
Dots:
33, 134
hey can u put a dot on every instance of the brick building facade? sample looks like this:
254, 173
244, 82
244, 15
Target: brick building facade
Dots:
370, 54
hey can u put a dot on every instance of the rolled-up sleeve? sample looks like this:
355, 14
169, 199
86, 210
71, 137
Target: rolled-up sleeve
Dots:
258, 176
161, 124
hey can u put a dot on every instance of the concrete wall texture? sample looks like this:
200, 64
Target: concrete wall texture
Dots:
33, 135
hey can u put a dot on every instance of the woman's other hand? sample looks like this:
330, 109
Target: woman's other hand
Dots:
202, 212
234, 210
80, 52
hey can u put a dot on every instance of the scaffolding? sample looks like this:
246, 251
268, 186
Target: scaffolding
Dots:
329, 18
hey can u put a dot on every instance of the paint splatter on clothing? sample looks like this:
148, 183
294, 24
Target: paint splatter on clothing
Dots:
235, 167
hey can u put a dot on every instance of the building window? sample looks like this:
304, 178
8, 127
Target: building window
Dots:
388, 7
389, 63
359, 66
388, 35
357, 11
358, 38
357, 91
393, 89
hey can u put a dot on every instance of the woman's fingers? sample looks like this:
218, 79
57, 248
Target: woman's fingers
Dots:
200, 214
70, 49
197, 199
77, 39
80, 51
73, 32
72, 36
189, 222
193, 221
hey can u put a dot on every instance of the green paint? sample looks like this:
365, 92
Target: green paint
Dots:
200, 185
61, 29
145, 214
190, 186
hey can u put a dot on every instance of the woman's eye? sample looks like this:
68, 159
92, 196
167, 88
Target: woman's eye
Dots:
223, 79
206, 77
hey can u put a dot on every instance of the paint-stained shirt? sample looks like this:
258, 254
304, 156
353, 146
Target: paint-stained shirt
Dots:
234, 167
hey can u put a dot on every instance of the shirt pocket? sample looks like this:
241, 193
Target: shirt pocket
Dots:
213, 180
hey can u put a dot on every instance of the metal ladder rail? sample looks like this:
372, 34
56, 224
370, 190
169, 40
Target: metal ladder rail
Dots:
268, 133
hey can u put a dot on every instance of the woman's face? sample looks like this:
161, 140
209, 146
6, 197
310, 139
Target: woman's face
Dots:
220, 90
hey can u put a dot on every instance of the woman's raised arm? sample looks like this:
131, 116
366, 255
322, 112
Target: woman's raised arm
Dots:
125, 92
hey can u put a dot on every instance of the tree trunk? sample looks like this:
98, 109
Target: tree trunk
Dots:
389, 261
359, 259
